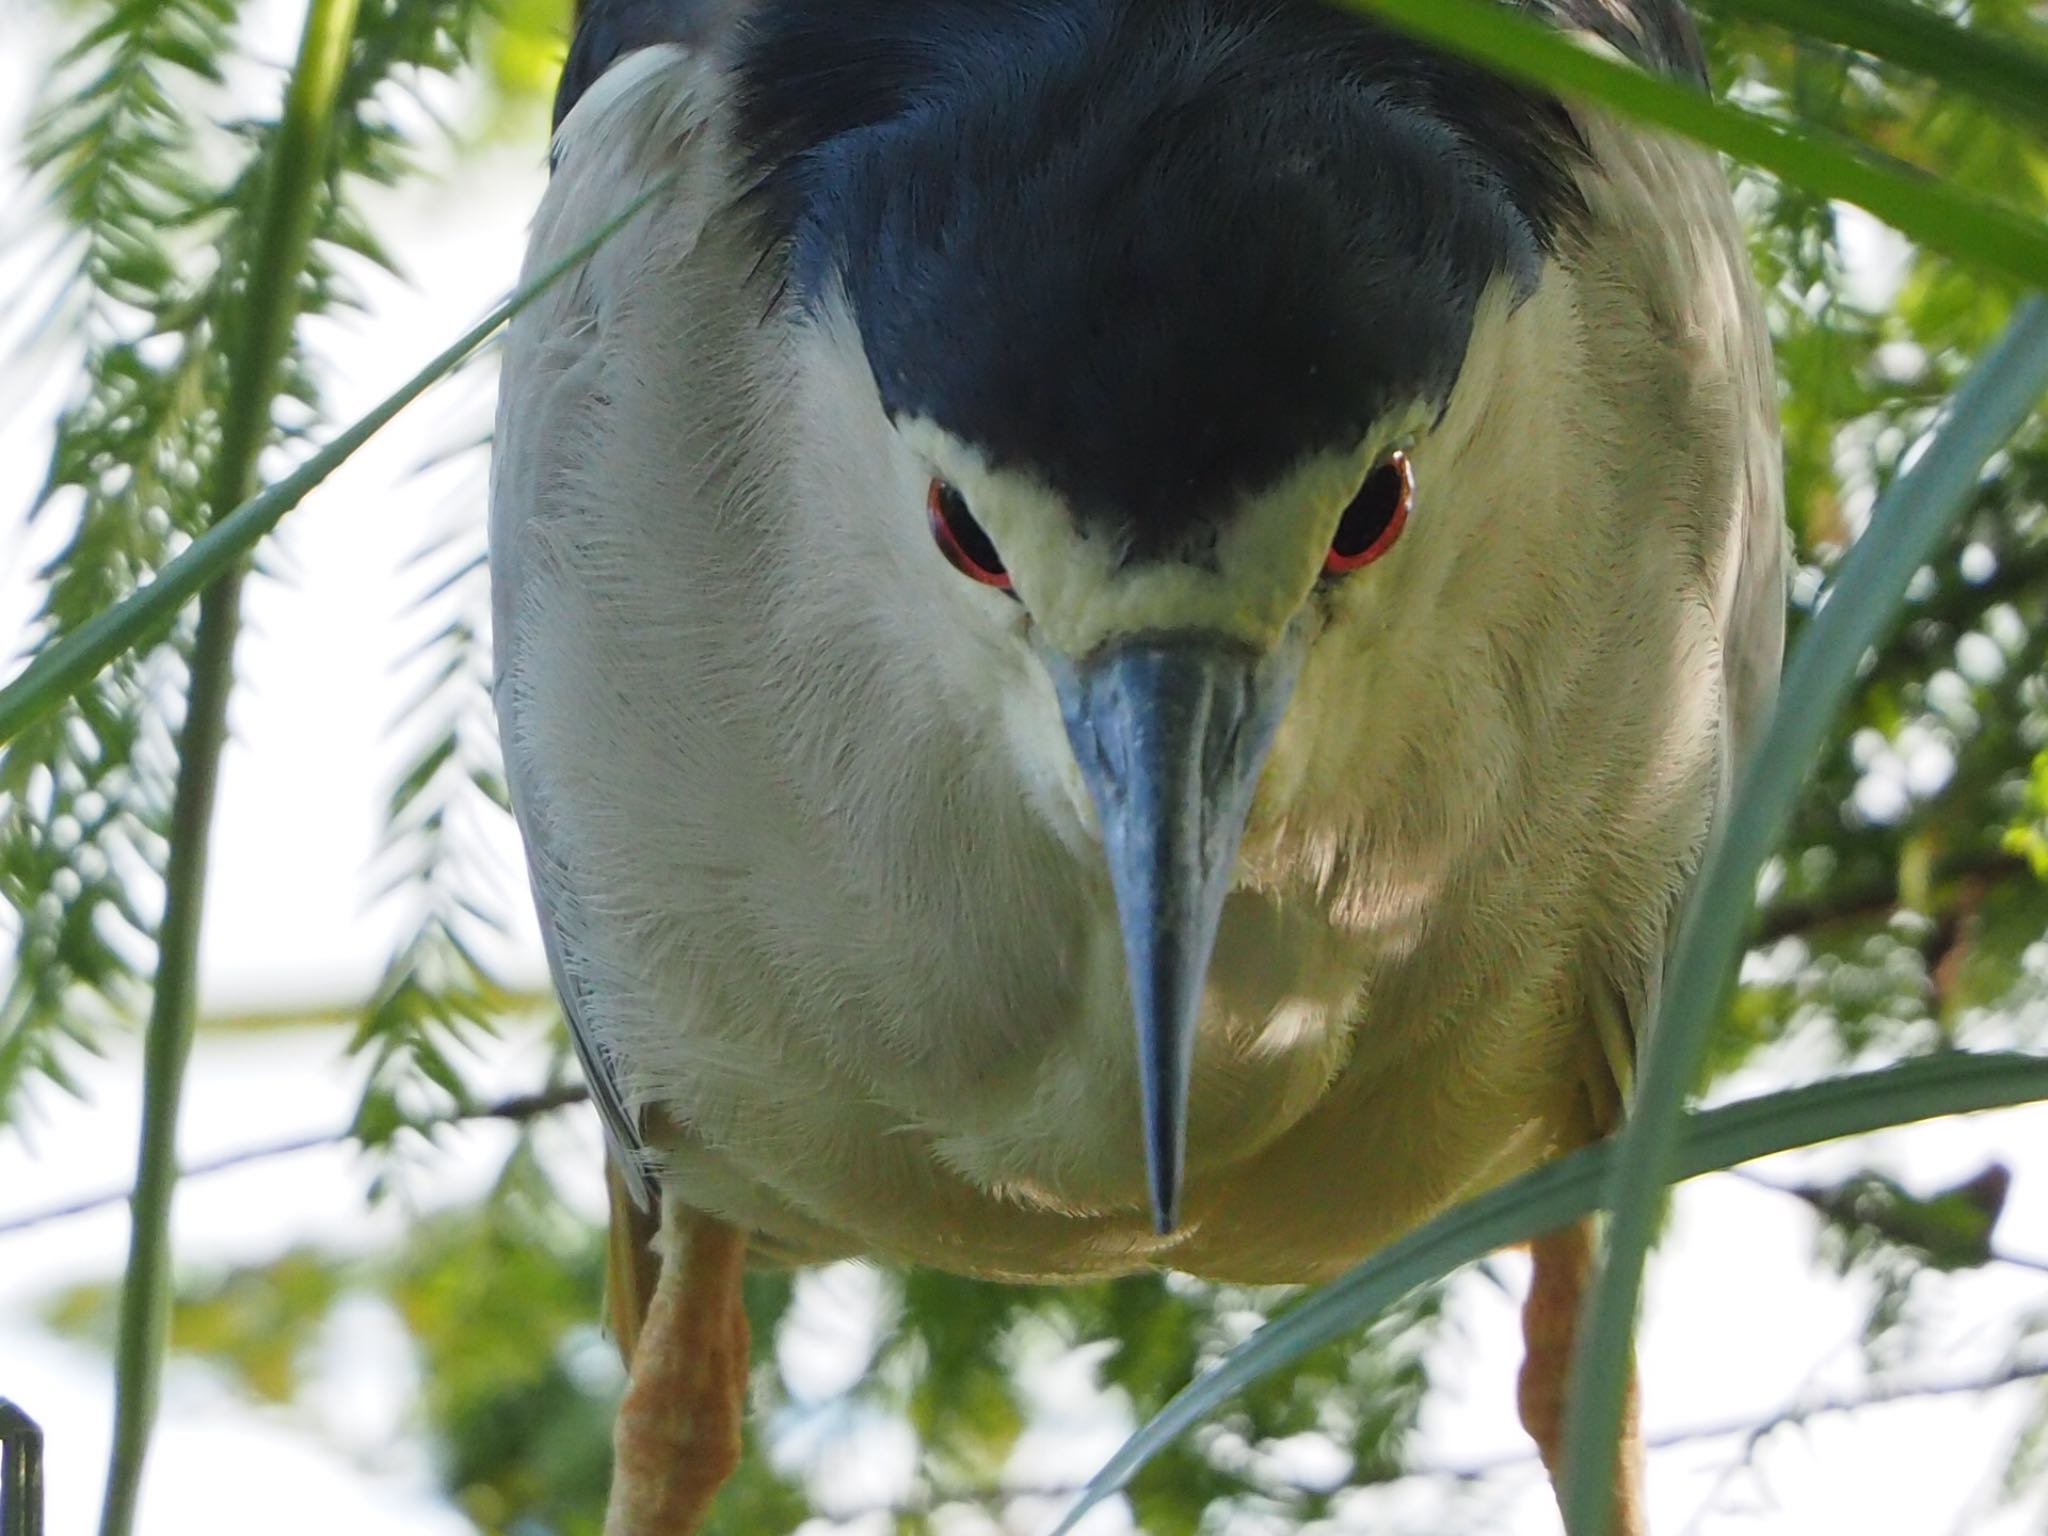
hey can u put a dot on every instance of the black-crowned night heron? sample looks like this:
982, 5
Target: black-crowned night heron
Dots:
1066, 509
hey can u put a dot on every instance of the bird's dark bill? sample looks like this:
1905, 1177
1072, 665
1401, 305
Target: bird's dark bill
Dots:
1170, 733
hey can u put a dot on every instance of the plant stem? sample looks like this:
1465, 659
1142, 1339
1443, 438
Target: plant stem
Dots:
257, 333
517, 1109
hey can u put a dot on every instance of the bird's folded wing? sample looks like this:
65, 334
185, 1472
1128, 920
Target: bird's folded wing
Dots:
610, 30
639, 126
1678, 195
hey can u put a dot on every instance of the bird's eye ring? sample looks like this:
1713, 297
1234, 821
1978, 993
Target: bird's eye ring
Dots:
962, 540
1375, 518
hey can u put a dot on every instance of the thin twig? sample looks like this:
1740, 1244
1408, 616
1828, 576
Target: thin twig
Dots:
259, 332
1882, 1395
1479, 1469
1878, 899
519, 1108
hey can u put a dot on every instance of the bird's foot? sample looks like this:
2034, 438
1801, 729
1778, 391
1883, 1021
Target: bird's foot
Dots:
678, 1433
1563, 1269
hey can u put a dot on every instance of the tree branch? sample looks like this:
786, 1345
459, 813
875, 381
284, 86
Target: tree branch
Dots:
519, 1108
1874, 901
1884, 1394
1477, 1470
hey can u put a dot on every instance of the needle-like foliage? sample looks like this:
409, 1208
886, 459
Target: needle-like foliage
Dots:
85, 793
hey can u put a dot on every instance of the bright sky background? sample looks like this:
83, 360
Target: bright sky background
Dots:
1740, 1323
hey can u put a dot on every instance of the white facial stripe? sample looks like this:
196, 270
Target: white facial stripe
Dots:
1082, 593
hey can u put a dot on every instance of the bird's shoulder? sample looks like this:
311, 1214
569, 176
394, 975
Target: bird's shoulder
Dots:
1658, 34
608, 30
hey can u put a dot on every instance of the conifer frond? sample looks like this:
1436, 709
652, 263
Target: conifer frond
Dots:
84, 795
133, 120
439, 992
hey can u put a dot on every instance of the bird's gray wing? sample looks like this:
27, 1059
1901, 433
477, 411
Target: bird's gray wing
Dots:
1753, 635
1624, 994
1660, 35
1666, 204
639, 126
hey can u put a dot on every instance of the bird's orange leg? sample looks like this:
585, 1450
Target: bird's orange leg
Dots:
1564, 1266
678, 1433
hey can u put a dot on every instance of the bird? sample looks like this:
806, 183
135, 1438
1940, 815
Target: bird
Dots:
1119, 626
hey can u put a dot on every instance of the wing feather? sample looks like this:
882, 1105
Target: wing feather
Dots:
639, 125
608, 30
1667, 212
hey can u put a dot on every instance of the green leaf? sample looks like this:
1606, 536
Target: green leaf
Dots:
1564, 1191
2008, 71
1933, 212
1947, 1230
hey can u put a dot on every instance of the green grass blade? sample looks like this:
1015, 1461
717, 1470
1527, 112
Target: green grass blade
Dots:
1910, 520
1938, 215
256, 335
2004, 70
60, 669
1562, 1192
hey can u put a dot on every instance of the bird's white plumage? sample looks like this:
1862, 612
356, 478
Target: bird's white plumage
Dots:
809, 842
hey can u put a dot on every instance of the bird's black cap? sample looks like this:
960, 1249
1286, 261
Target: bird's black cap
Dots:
1156, 251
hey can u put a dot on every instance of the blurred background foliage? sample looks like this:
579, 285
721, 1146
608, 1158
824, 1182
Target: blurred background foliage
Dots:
1905, 913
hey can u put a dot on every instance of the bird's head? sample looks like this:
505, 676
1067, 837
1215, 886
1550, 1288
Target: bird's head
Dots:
1161, 307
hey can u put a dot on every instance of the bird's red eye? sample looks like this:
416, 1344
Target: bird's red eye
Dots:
1375, 518
962, 540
